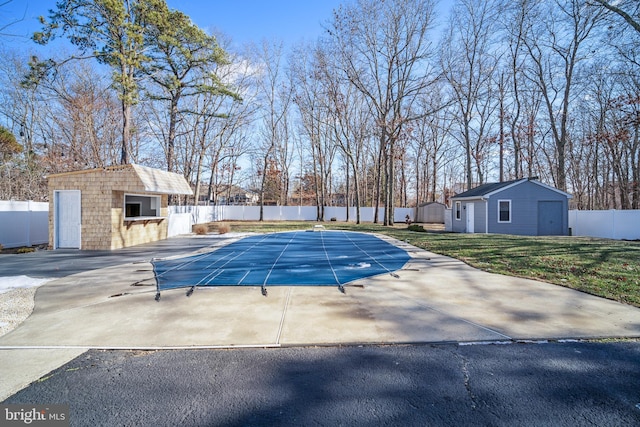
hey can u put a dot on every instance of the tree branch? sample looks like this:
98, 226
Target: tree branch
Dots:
622, 13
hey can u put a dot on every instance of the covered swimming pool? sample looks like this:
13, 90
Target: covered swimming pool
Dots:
297, 258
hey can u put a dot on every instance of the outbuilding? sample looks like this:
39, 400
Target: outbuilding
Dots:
430, 213
522, 207
111, 208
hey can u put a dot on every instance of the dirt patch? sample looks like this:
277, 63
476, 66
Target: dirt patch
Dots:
24, 249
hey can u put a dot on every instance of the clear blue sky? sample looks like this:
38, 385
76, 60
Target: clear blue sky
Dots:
253, 20
243, 20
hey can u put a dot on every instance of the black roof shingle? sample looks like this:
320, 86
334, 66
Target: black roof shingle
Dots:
484, 189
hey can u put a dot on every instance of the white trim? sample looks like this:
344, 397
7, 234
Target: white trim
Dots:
486, 217
513, 184
157, 204
457, 211
500, 201
533, 181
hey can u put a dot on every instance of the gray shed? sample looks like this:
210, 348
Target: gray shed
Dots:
430, 213
523, 207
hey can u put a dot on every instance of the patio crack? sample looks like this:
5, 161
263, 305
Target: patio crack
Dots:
284, 314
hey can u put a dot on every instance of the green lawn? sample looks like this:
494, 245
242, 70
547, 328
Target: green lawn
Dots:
602, 267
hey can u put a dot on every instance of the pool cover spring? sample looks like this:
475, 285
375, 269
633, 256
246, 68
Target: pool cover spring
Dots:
299, 258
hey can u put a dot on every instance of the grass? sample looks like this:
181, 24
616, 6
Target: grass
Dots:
602, 267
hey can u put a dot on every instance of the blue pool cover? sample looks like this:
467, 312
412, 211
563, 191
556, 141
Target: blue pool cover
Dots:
298, 258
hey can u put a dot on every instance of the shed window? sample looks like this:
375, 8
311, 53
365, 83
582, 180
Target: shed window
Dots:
458, 210
137, 206
504, 210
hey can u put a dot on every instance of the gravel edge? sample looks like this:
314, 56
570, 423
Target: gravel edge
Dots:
15, 306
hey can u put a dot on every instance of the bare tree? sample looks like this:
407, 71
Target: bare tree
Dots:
515, 21
231, 137
469, 62
83, 130
556, 35
616, 133
384, 51
431, 145
311, 97
4, 6
23, 112
349, 119
275, 94
629, 10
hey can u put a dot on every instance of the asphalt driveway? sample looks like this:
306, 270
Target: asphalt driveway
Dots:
553, 384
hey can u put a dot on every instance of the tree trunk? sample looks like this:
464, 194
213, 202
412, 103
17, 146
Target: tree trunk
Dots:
196, 194
378, 181
347, 188
388, 144
173, 118
434, 180
126, 131
467, 147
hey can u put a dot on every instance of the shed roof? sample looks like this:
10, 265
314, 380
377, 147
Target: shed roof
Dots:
159, 181
150, 179
489, 189
430, 203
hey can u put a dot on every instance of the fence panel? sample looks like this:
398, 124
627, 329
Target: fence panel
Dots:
203, 214
23, 223
447, 220
626, 225
400, 214
179, 223
610, 224
27, 223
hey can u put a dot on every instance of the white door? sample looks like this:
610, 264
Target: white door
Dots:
67, 219
470, 218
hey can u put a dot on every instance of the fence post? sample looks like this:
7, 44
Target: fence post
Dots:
29, 215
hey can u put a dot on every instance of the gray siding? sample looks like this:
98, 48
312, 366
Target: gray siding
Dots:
524, 209
479, 217
524, 198
458, 225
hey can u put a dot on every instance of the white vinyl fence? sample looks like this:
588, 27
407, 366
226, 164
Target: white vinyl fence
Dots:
611, 224
23, 223
27, 223
203, 214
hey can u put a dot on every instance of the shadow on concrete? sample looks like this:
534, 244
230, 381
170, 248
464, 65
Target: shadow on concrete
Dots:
64, 262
